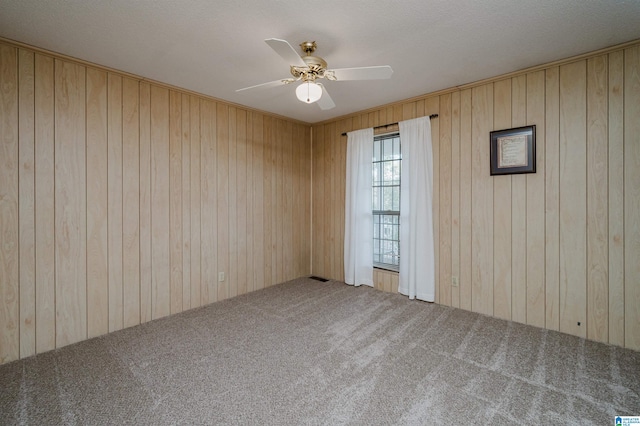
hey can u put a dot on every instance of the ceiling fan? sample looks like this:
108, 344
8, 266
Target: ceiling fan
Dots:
309, 68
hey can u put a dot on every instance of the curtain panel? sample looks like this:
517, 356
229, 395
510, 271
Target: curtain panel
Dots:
358, 228
417, 255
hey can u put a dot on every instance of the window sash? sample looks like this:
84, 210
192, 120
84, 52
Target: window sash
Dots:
387, 163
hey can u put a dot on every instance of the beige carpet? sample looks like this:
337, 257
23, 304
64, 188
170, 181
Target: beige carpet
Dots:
307, 352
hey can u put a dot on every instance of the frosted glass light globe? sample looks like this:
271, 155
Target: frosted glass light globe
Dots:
308, 92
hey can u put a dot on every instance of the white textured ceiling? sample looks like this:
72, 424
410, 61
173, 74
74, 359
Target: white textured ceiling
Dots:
216, 46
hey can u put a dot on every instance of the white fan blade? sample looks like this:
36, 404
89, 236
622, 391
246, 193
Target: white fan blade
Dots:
325, 101
363, 73
266, 85
286, 52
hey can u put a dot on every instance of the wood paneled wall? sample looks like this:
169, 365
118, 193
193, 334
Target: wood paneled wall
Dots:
122, 200
558, 249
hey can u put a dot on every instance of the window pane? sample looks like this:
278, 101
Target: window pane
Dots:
376, 249
376, 228
387, 231
387, 150
377, 174
376, 151
387, 199
396, 198
396, 172
396, 148
376, 198
388, 171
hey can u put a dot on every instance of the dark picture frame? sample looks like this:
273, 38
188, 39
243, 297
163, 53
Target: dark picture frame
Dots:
513, 151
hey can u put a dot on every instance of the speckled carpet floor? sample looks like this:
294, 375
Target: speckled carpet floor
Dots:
307, 352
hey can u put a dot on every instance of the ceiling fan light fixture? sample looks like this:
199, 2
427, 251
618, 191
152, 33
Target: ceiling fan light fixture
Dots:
308, 92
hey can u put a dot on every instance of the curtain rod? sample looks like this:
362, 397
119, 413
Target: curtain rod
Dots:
432, 116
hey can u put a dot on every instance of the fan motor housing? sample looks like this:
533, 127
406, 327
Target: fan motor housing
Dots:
316, 68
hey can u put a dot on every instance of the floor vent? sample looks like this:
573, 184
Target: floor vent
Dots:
324, 280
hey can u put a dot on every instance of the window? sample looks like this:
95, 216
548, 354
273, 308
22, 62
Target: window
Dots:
387, 161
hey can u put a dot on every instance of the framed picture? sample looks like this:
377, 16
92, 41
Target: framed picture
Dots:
513, 151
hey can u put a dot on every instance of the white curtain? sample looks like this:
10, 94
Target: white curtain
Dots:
417, 256
358, 228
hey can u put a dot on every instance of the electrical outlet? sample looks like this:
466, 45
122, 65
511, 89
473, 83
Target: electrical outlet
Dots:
454, 281
220, 276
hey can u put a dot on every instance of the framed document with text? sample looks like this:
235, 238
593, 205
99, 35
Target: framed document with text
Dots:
513, 151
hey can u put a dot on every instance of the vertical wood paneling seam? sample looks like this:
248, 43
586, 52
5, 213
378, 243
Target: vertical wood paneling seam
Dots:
559, 188
35, 199
311, 171
544, 186
86, 201
586, 201
624, 222
544, 295
526, 213
199, 195
139, 204
108, 221
471, 195
586, 198
122, 202
18, 242
107, 96
54, 230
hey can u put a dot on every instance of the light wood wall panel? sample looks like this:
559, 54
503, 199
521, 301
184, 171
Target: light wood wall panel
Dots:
97, 204
502, 216
175, 202
208, 188
70, 203
632, 197
160, 204
26, 208
45, 214
455, 196
445, 144
241, 229
232, 208
114, 179
121, 200
222, 199
9, 249
482, 202
130, 202
145, 203
518, 210
615, 193
258, 202
432, 104
555, 249
186, 201
535, 291
597, 202
318, 204
552, 198
466, 209
573, 198
280, 198
195, 202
